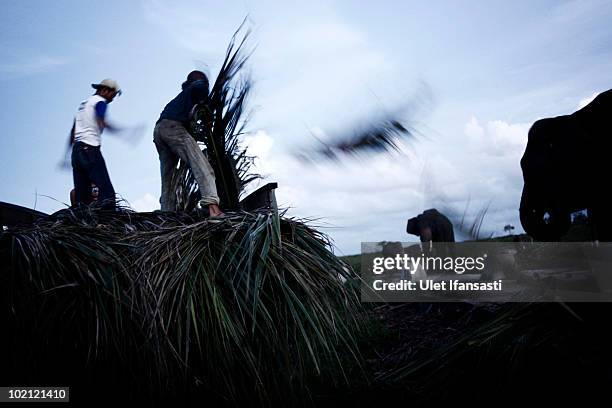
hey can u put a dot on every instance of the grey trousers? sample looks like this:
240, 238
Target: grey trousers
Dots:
173, 142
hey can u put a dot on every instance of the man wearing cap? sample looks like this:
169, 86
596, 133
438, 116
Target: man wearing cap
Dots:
88, 166
173, 141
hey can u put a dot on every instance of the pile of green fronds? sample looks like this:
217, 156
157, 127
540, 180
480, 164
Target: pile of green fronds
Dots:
165, 303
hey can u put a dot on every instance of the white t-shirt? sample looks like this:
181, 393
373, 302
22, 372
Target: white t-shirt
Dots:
86, 129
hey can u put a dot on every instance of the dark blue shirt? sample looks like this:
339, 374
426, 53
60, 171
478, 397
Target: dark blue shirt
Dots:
180, 107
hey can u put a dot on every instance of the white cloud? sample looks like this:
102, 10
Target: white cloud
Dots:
146, 203
497, 138
258, 144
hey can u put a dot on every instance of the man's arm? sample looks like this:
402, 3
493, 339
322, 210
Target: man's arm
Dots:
101, 118
200, 98
65, 163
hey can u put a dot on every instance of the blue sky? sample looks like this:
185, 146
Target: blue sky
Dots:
492, 68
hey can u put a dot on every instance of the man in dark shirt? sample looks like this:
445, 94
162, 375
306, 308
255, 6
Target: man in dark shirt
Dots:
173, 141
194, 91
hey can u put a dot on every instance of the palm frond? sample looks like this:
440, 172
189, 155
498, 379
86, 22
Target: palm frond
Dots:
250, 304
219, 125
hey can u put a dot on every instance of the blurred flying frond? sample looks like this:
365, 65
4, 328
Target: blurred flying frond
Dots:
377, 136
380, 137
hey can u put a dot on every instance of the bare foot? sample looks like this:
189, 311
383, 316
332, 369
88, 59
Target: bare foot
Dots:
215, 211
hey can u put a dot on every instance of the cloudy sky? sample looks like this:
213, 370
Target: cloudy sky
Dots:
491, 68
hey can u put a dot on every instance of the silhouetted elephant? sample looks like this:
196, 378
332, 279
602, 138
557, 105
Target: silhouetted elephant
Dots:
431, 225
566, 167
436, 233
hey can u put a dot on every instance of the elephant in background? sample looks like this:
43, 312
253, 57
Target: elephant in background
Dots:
566, 169
431, 225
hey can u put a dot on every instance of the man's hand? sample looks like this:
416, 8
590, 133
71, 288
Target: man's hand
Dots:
131, 134
103, 124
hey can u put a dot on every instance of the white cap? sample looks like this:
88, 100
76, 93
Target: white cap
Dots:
108, 83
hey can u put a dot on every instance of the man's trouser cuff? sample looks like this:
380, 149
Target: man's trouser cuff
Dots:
206, 201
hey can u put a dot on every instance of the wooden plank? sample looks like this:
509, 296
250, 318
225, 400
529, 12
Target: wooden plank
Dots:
262, 198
